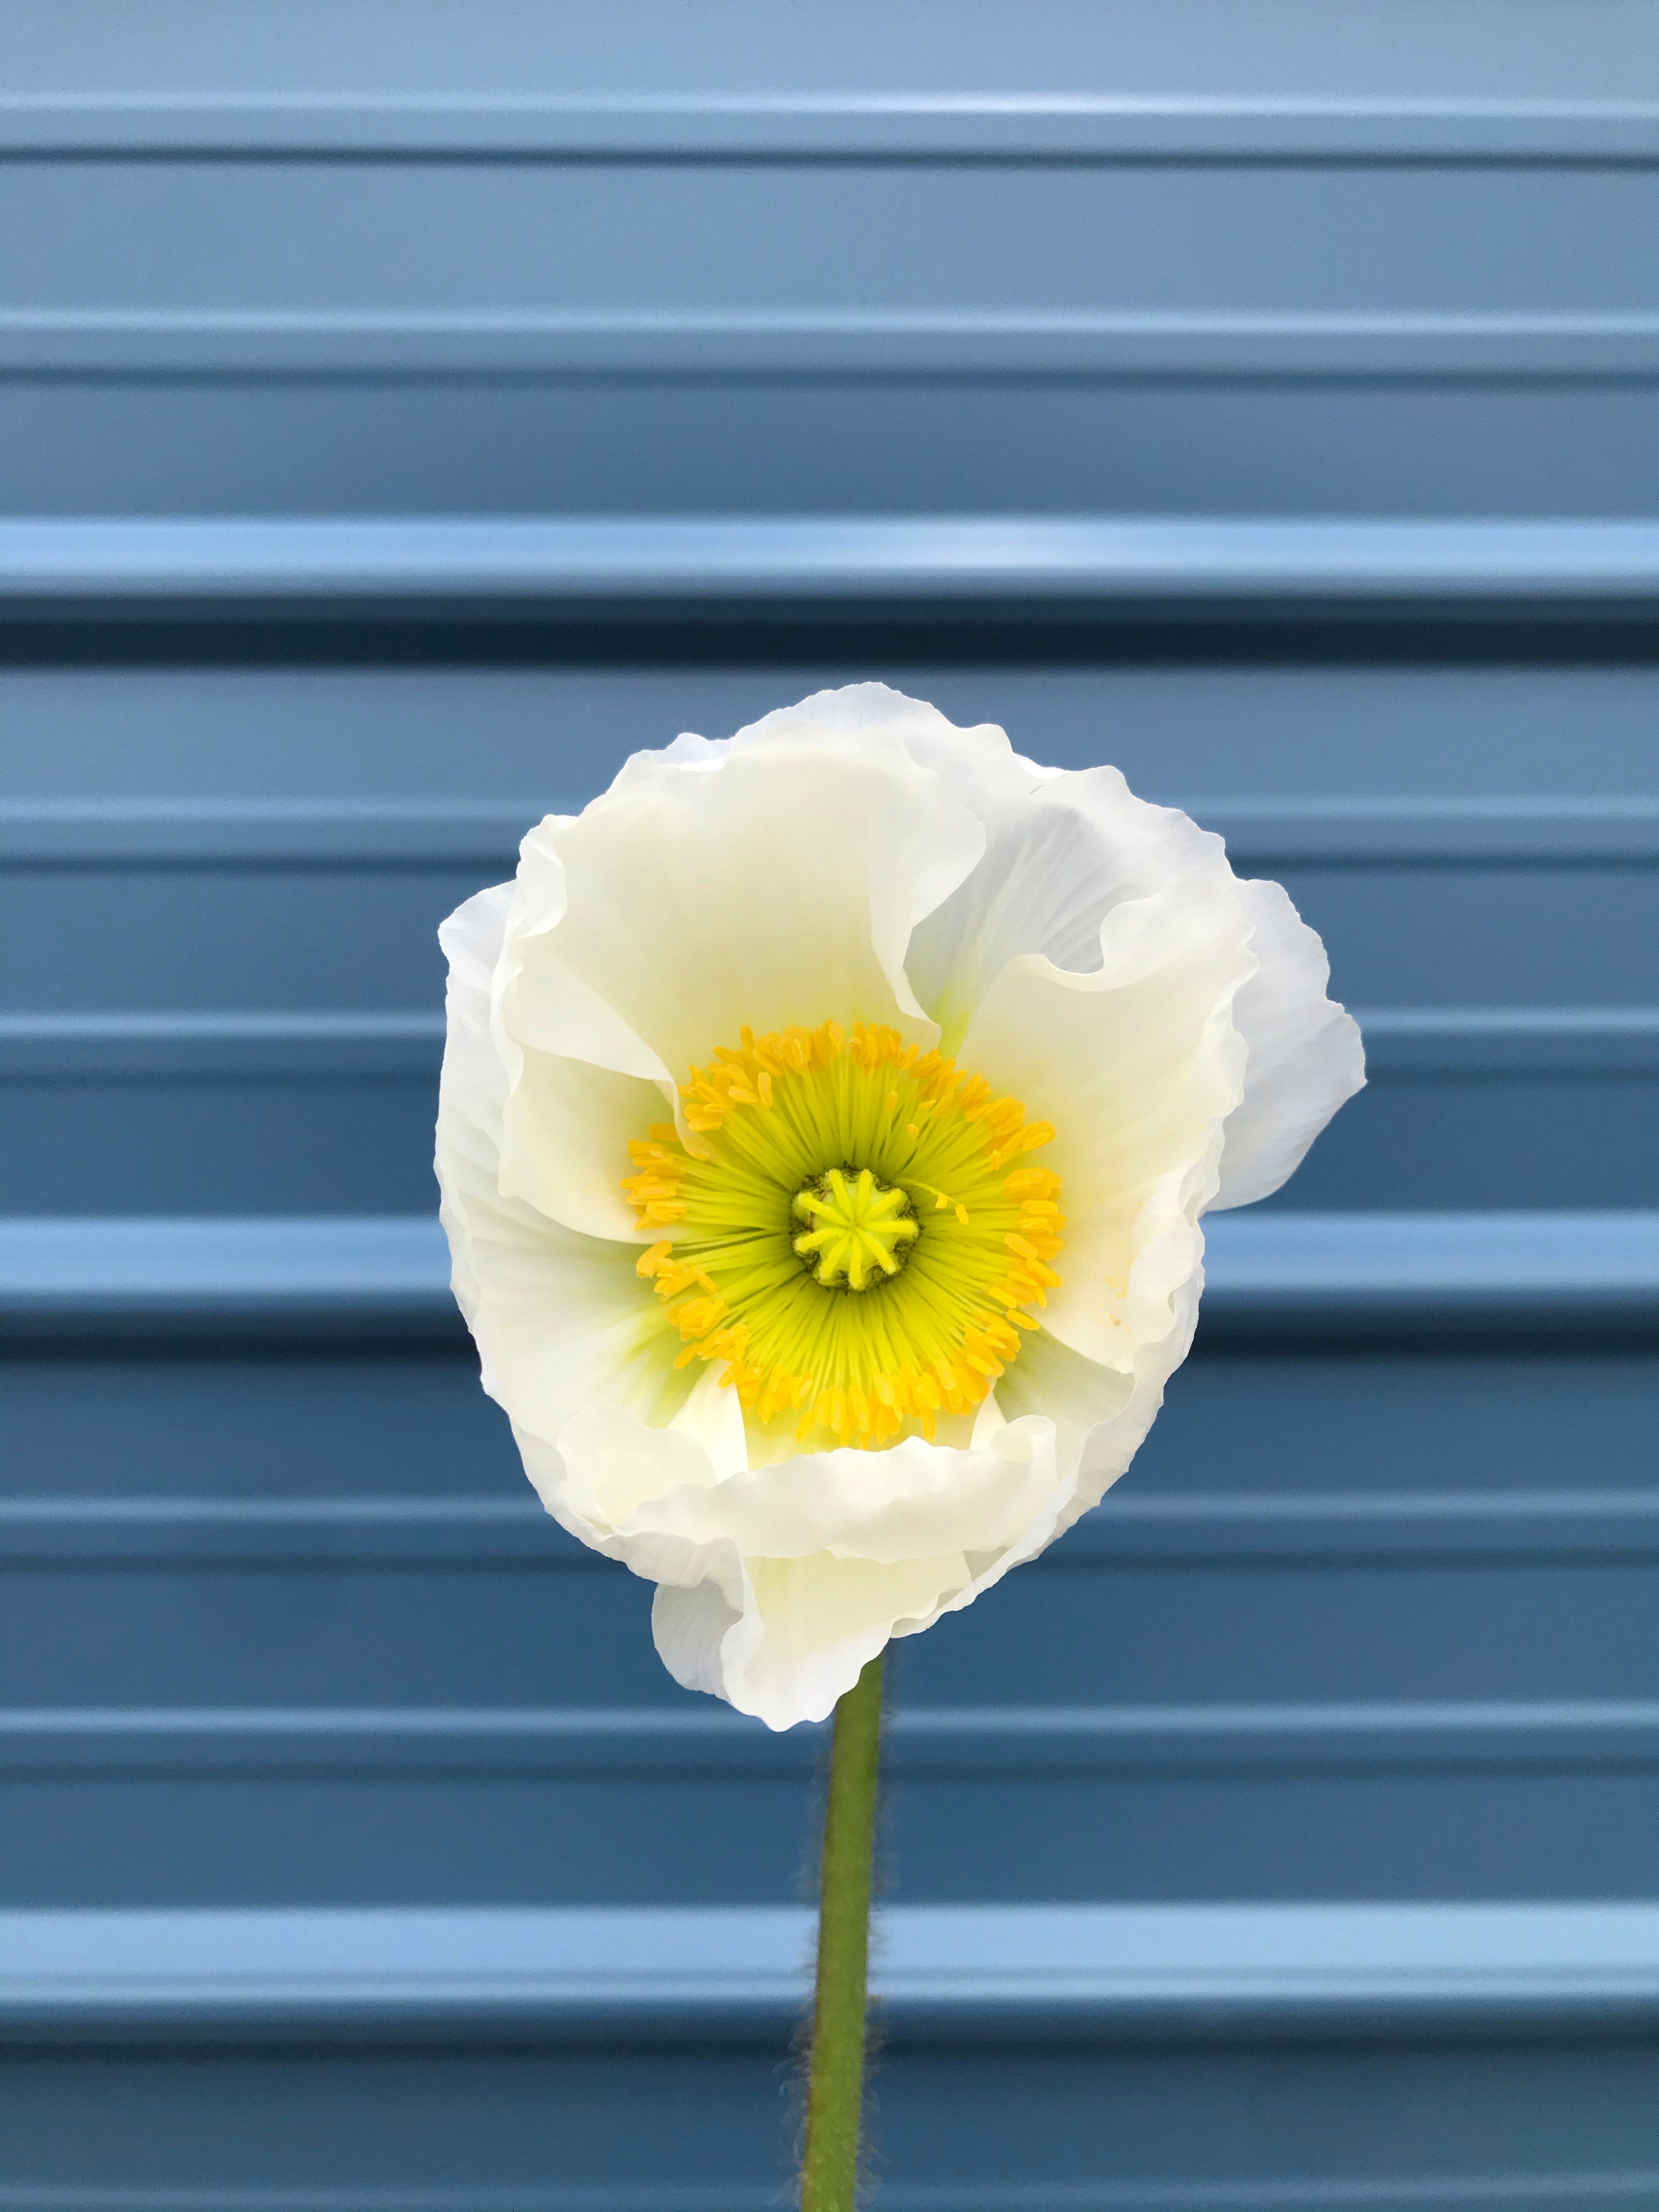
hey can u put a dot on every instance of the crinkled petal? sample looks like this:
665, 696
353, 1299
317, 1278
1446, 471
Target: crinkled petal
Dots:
823, 1618
773, 882
714, 1415
781, 1582
565, 1129
1306, 1057
1101, 1414
559, 1318
913, 1500
1137, 1065
1063, 850
805, 1630
689, 1624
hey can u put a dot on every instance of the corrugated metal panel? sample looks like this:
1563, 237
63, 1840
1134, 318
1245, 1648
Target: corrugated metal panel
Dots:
406, 411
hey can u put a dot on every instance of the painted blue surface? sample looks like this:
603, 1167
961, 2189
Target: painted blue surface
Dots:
407, 412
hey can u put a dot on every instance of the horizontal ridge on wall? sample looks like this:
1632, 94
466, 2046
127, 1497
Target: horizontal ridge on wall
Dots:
940, 1972
1307, 1274
1208, 1528
495, 565
1578, 2190
370, 1046
1011, 1743
896, 126
1449, 831
1369, 344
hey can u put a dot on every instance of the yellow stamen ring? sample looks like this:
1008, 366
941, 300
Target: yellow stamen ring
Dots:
859, 1247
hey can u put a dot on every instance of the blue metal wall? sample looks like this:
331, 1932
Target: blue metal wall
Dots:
405, 411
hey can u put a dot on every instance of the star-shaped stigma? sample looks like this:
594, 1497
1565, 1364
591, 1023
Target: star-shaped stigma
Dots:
859, 1231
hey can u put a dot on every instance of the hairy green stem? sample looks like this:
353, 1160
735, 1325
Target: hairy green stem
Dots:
834, 2091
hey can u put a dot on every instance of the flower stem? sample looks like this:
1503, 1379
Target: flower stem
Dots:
835, 2088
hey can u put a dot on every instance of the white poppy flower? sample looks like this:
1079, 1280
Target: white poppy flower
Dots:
826, 1119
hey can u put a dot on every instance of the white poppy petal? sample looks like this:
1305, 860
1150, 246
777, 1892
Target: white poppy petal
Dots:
915, 1500
474, 1084
611, 1463
1306, 1057
772, 882
712, 1413
1101, 1414
690, 1625
800, 1628
817, 1623
558, 1317
1136, 1066
779, 887
563, 1149
1062, 852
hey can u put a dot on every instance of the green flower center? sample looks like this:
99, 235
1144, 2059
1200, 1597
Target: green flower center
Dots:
858, 1229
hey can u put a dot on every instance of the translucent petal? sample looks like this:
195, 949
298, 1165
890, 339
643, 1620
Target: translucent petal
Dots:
558, 1316
1305, 1055
1136, 1064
